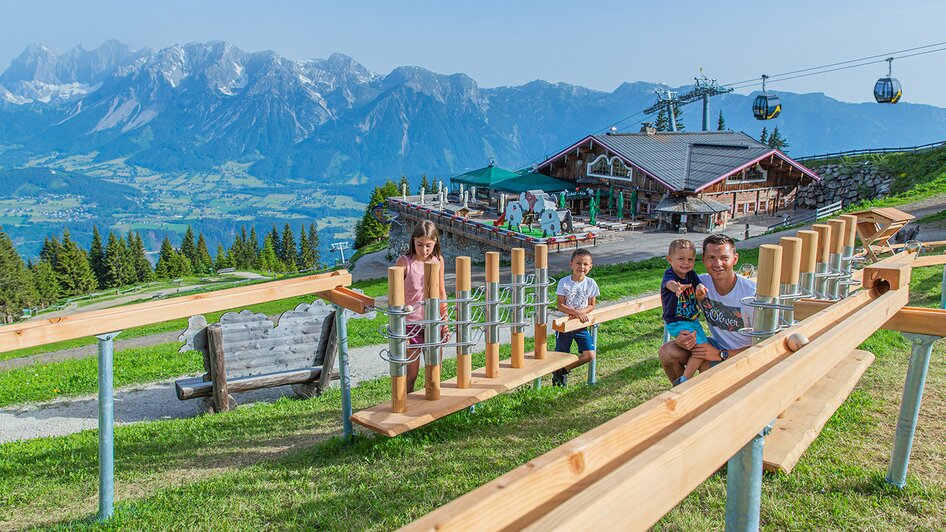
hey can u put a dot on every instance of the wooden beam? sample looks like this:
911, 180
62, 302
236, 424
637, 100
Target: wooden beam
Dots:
891, 273
795, 429
348, 299
929, 260
542, 483
39, 332
666, 470
608, 313
916, 320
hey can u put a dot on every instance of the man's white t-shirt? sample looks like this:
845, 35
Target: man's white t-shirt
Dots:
577, 294
725, 315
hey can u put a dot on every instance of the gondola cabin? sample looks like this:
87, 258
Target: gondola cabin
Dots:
887, 90
766, 106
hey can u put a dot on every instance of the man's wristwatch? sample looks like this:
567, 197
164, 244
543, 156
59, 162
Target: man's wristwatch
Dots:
723, 355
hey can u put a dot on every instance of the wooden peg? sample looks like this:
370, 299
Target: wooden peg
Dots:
809, 251
850, 230
791, 259
770, 265
838, 228
396, 286
824, 241
541, 329
432, 280
464, 365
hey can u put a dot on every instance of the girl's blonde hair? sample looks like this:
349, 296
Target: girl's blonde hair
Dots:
427, 229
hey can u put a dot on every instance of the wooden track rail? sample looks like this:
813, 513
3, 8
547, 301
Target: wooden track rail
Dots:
39, 332
626, 445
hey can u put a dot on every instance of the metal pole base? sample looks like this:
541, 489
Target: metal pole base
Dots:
344, 372
909, 408
106, 426
744, 485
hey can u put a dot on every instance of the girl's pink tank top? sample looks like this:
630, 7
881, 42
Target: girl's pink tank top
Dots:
414, 287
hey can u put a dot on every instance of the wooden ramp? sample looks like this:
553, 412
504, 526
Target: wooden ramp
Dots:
452, 399
801, 422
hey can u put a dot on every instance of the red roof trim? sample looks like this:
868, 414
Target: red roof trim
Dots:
780, 155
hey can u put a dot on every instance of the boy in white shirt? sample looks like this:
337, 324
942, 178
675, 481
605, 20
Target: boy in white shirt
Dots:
577, 295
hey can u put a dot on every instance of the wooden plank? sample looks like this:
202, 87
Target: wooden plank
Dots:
218, 370
929, 260
29, 334
665, 471
348, 298
892, 273
195, 387
797, 427
931, 321
608, 313
542, 483
453, 398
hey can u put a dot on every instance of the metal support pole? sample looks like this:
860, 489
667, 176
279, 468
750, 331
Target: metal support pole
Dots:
706, 112
834, 267
821, 281
942, 295
341, 335
787, 317
807, 282
847, 268
593, 363
432, 352
671, 119
492, 314
910, 407
106, 426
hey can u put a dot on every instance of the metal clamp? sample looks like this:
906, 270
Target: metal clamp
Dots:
751, 302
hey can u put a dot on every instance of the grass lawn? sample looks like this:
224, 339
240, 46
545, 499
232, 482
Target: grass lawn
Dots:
282, 465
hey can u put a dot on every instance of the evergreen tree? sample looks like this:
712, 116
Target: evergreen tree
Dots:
277, 241
401, 183
425, 185
73, 271
389, 190
119, 268
202, 261
288, 255
721, 123
662, 124
97, 257
369, 230
777, 141
268, 260
305, 253
678, 116
223, 259
50, 250
764, 138
314, 245
237, 250
188, 247
139, 258
16, 286
169, 263
45, 284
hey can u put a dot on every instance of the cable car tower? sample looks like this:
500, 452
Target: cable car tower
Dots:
704, 88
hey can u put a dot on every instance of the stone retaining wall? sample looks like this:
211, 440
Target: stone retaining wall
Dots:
846, 182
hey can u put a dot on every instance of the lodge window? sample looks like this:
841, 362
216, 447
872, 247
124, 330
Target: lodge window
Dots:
753, 174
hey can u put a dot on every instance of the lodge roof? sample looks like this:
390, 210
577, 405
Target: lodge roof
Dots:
686, 161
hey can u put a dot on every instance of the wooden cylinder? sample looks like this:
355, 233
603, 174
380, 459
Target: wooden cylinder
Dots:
432, 280
770, 265
432, 382
492, 361
838, 228
541, 256
824, 242
809, 250
791, 259
463, 273
517, 348
850, 230
518, 261
492, 267
541, 340
396, 286
399, 394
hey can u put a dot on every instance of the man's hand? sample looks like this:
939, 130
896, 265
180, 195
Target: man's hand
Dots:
705, 352
686, 340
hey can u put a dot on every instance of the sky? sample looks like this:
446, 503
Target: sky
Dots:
593, 44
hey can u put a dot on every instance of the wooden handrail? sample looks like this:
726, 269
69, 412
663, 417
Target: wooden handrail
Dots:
608, 313
39, 332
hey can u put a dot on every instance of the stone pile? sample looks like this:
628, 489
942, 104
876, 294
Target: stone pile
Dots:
846, 182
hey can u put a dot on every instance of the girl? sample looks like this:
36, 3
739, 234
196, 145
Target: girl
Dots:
425, 247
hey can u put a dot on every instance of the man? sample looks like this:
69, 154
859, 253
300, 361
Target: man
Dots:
725, 314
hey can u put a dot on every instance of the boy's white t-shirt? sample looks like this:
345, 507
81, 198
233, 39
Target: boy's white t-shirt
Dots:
577, 294
725, 315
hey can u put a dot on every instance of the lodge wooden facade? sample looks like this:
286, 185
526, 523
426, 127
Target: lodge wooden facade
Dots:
730, 168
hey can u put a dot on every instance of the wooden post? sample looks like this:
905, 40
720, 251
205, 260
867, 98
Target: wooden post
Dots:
824, 242
218, 370
517, 347
838, 230
397, 347
850, 230
541, 299
770, 265
809, 251
464, 367
492, 294
432, 330
791, 259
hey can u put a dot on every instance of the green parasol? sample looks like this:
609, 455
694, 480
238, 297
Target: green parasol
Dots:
634, 203
620, 205
593, 211
561, 200
611, 197
598, 197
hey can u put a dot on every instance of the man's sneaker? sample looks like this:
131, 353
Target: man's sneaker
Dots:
680, 380
560, 377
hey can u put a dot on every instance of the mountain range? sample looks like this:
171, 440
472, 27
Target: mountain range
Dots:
197, 106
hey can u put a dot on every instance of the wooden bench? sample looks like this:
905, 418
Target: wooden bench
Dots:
245, 351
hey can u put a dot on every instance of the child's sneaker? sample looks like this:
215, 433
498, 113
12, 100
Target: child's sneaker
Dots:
680, 380
560, 377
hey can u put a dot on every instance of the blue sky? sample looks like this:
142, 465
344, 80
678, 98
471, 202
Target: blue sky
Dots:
594, 44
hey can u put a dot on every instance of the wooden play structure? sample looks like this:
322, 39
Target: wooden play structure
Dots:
106, 324
762, 408
472, 315
875, 228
